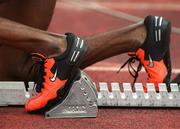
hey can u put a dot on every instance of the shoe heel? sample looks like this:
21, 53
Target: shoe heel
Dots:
167, 58
167, 61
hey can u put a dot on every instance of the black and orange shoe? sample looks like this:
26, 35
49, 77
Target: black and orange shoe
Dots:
154, 54
54, 76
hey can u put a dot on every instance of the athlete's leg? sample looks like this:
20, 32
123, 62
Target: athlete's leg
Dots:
34, 13
114, 42
37, 41
33, 40
30, 39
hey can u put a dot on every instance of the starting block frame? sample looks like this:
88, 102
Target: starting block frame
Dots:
138, 98
83, 98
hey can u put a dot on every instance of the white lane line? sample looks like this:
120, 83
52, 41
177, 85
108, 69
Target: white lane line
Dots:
115, 69
170, 6
99, 8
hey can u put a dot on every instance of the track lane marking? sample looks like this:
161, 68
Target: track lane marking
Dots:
142, 6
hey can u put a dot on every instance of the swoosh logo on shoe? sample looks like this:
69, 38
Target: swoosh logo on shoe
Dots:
151, 63
54, 77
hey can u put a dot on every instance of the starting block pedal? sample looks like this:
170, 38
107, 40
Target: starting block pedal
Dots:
80, 102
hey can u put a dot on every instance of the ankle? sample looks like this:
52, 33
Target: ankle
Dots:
59, 48
139, 36
63, 45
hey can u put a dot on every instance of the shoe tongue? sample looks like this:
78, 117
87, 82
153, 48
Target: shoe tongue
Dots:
38, 57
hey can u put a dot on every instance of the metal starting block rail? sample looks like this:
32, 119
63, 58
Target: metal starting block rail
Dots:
83, 98
138, 98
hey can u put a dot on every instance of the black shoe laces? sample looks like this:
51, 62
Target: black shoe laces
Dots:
133, 72
39, 74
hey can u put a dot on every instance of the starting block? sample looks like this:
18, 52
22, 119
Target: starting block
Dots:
138, 98
84, 99
80, 102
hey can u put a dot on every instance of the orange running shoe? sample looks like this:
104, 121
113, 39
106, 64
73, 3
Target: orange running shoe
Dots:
54, 76
154, 54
